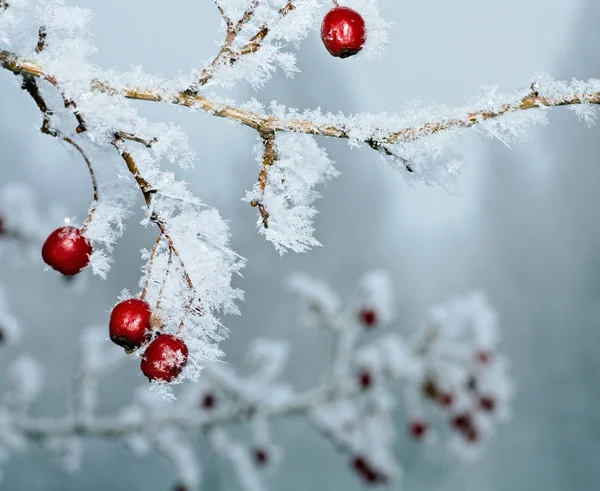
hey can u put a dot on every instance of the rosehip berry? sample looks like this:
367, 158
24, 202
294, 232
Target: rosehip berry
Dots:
358, 463
164, 358
418, 429
129, 324
446, 399
343, 32
487, 403
471, 434
368, 318
483, 357
365, 379
261, 456
462, 421
208, 401
67, 251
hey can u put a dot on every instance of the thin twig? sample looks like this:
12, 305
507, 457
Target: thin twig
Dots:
150, 264
30, 86
130, 136
269, 158
226, 55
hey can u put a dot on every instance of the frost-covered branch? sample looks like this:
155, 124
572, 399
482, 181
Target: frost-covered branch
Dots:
558, 94
455, 387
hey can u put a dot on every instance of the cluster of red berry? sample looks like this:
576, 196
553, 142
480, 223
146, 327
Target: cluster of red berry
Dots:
68, 251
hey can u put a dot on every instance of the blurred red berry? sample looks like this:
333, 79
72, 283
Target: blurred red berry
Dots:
487, 403
208, 401
483, 357
358, 463
418, 429
446, 399
462, 421
365, 379
368, 318
261, 457
471, 434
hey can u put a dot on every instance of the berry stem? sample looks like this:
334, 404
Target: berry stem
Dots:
147, 191
150, 264
228, 57
31, 87
162, 288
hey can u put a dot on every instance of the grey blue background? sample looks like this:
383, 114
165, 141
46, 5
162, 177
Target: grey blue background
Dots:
524, 227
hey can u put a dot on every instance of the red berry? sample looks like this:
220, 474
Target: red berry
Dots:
208, 401
261, 456
164, 358
446, 399
358, 463
343, 32
462, 421
483, 357
129, 324
67, 251
370, 475
418, 429
487, 403
368, 317
471, 434
365, 379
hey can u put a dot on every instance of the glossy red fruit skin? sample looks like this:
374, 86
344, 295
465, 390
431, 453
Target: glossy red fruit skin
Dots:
343, 32
67, 251
164, 358
129, 324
